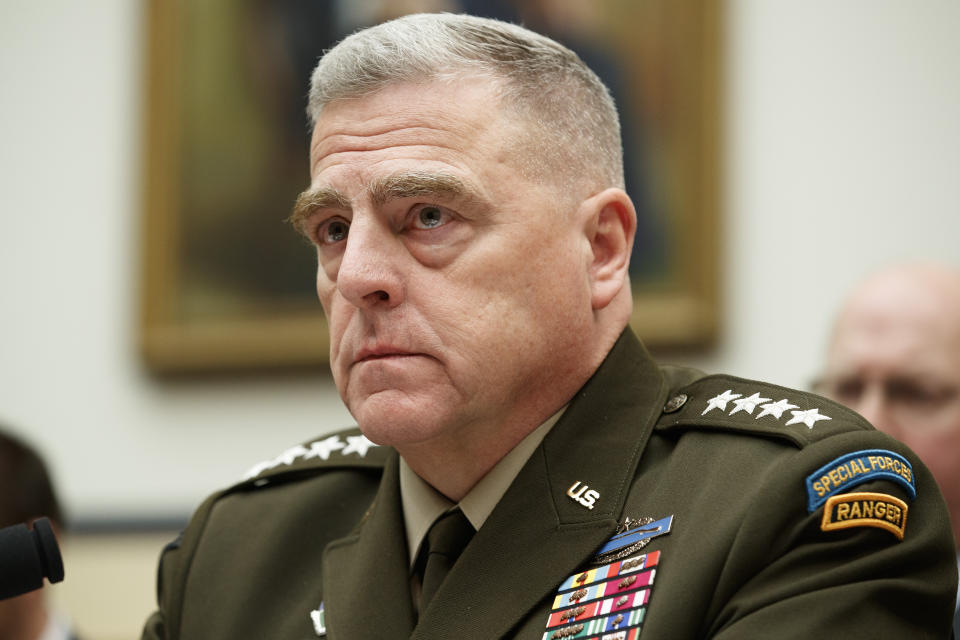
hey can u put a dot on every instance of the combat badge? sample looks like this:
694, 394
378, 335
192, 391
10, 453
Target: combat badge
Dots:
631, 536
865, 509
856, 468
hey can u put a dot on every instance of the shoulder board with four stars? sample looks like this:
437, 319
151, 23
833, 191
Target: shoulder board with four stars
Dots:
346, 448
738, 405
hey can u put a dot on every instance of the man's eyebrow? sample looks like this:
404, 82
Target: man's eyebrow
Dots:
316, 198
409, 184
418, 183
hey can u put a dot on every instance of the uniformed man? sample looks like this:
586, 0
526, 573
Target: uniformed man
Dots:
522, 469
895, 358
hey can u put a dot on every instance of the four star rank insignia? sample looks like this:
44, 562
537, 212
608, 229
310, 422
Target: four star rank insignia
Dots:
749, 404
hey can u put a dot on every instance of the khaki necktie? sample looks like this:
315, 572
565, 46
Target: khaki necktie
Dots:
445, 542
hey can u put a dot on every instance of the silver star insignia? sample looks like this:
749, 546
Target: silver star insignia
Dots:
808, 417
291, 454
287, 457
720, 401
775, 409
748, 404
357, 444
323, 448
259, 468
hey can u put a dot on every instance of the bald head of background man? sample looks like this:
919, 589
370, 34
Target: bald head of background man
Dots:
894, 357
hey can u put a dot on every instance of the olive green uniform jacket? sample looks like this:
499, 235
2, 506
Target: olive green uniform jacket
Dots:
746, 556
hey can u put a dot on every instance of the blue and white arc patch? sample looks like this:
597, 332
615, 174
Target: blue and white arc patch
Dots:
855, 468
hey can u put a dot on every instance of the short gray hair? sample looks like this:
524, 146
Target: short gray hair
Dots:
569, 109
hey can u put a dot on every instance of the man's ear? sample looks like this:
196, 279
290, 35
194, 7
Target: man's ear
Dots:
610, 223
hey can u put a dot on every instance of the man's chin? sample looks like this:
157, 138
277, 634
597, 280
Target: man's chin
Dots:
396, 418
399, 435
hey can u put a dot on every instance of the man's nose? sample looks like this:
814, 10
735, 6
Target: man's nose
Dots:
874, 405
369, 268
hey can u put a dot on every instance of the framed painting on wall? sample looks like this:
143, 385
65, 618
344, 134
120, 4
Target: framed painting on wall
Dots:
228, 285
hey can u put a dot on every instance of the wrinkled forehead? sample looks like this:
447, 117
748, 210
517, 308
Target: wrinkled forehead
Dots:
469, 102
461, 124
497, 86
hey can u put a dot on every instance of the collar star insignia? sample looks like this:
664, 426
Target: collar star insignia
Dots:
357, 444
808, 417
775, 409
748, 404
720, 401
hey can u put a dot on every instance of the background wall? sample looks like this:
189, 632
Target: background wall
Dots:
842, 154
843, 147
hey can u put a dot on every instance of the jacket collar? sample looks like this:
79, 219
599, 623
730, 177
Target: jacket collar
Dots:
535, 537
366, 579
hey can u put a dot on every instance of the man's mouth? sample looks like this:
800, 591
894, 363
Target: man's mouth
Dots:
382, 353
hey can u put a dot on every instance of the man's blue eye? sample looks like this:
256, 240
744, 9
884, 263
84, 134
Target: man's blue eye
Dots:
430, 217
335, 231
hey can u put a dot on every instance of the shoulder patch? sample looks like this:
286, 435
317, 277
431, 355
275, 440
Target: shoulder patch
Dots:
855, 468
343, 448
734, 404
865, 510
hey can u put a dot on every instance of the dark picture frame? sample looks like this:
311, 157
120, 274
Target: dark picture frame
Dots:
227, 285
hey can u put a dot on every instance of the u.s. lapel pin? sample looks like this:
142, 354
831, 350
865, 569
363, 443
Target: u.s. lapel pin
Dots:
582, 494
319, 625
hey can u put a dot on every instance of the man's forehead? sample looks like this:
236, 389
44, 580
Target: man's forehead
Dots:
908, 294
465, 107
458, 98
892, 349
916, 320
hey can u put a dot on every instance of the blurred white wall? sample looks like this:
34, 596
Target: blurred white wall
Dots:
121, 444
842, 153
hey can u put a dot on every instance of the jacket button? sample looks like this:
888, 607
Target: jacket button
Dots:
674, 403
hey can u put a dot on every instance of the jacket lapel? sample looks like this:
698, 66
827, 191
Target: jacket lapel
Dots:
538, 535
366, 580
